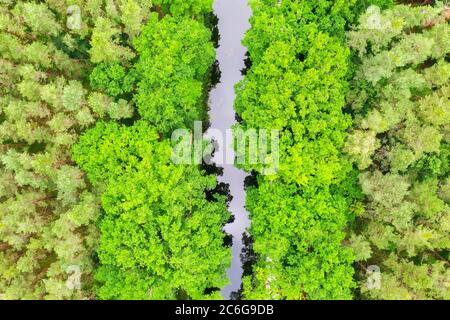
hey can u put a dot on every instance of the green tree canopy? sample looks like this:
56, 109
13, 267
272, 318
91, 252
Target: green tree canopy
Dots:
175, 55
297, 85
161, 237
400, 142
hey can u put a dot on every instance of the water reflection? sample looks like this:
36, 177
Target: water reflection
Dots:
233, 23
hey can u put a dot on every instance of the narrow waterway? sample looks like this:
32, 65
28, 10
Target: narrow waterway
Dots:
233, 23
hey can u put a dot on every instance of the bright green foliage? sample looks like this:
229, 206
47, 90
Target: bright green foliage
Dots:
175, 56
113, 79
294, 23
160, 237
296, 84
400, 142
298, 235
161, 232
161, 224
48, 210
192, 8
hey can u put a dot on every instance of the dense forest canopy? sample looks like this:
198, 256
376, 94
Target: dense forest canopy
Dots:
161, 235
57, 82
93, 207
297, 84
400, 143
48, 209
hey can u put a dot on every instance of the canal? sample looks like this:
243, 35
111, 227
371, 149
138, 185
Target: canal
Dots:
233, 23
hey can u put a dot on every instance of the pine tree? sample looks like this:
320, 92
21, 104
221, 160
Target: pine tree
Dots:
48, 209
400, 143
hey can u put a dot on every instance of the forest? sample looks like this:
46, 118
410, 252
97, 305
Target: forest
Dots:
93, 207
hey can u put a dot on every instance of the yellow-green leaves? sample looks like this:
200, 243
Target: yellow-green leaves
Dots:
175, 56
159, 233
296, 84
